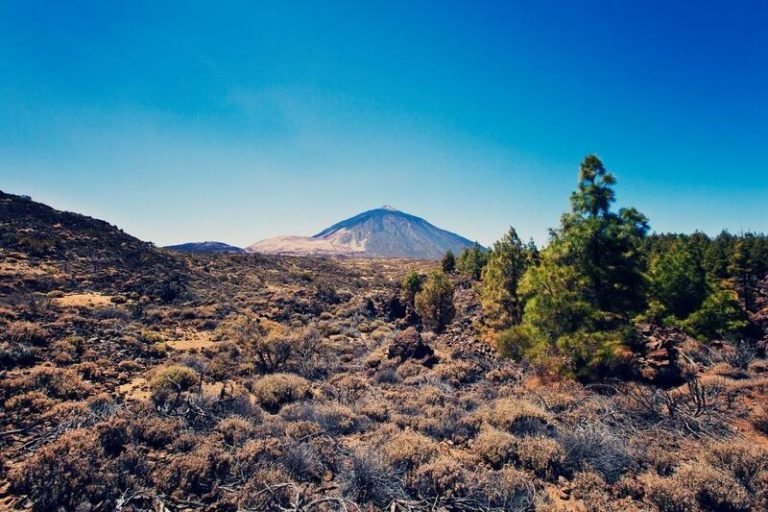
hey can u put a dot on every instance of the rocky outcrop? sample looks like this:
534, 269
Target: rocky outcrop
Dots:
660, 359
409, 345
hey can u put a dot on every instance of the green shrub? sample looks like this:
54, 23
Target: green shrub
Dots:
275, 390
718, 315
411, 285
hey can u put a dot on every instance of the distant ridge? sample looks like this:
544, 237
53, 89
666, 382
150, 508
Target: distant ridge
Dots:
204, 247
379, 233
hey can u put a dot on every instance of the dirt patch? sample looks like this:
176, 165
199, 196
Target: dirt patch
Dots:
83, 300
137, 389
193, 341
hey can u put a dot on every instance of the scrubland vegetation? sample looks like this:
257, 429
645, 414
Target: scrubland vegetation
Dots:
611, 370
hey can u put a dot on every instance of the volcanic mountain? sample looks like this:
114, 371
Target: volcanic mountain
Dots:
380, 233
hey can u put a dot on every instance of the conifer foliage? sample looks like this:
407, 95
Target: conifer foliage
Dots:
588, 284
576, 305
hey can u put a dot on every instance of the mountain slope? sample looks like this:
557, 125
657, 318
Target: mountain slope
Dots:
383, 232
204, 247
80, 252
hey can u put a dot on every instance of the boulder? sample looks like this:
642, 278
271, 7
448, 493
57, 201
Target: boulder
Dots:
409, 345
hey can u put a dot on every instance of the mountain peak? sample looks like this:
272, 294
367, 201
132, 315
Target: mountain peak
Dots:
371, 234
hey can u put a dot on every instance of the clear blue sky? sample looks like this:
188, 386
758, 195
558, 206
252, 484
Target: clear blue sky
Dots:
235, 121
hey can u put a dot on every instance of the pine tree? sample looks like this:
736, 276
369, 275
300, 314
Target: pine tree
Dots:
677, 280
434, 303
472, 260
502, 305
449, 262
739, 268
589, 280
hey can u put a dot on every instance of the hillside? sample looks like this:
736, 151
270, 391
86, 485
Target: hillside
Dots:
380, 233
204, 247
79, 252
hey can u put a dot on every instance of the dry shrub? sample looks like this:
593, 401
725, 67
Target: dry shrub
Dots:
760, 421
195, 472
541, 455
155, 432
260, 453
442, 477
26, 332
267, 489
367, 478
593, 447
235, 430
333, 418
495, 447
746, 462
408, 450
275, 390
517, 416
508, 489
59, 383
459, 372
65, 473
591, 489
696, 487
175, 378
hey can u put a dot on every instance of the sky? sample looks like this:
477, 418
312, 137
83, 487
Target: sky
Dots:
236, 121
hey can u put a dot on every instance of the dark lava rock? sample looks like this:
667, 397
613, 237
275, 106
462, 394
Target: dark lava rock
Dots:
409, 344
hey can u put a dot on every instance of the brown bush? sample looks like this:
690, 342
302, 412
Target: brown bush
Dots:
267, 489
760, 421
696, 487
408, 450
517, 416
26, 332
235, 430
196, 472
745, 461
170, 383
65, 473
495, 447
541, 455
155, 432
442, 477
59, 383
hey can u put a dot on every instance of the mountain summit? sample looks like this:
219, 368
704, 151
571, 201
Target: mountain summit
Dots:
380, 233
